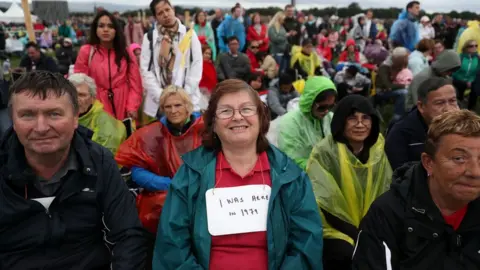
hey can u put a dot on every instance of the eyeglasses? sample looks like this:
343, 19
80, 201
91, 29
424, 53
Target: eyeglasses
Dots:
473, 46
322, 108
254, 47
366, 120
227, 113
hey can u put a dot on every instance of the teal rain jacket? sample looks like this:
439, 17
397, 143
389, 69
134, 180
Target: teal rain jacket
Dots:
294, 228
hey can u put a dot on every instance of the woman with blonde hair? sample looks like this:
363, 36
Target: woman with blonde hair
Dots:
153, 152
468, 73
279, 40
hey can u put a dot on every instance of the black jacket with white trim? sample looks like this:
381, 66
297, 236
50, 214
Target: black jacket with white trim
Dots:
91, 224
404, 229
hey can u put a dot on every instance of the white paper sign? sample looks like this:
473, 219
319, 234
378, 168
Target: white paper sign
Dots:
237, 210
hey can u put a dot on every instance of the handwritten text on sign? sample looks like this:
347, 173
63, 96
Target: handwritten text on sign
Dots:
237, 210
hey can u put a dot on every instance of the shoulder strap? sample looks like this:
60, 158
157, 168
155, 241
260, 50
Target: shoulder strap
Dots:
90, 55
150, 37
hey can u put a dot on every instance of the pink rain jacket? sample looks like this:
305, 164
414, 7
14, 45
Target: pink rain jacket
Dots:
126, 81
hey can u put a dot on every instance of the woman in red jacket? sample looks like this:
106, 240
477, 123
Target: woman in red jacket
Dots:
209, 73
115, 70
258, 32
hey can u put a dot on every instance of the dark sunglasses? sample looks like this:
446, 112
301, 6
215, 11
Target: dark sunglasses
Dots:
323, 108
254, 47
473, 46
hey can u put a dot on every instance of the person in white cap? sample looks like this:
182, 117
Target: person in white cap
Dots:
426, 28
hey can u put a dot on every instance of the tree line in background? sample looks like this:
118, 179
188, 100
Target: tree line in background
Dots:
344, 12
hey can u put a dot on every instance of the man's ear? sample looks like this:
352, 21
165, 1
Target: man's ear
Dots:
420, 107
427, 162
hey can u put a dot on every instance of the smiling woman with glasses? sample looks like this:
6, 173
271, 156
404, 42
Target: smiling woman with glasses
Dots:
348, 170
238, 199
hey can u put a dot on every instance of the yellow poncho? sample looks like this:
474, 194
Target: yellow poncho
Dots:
307, 63
472, 32
345, 187
107, 131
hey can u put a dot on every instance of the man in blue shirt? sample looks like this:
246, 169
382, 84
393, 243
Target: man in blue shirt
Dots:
404, 31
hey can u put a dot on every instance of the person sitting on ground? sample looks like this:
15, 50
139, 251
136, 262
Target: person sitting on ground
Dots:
419, 59
280, 93
255, 80
268, 65
36, 60
252, 52
429, 217
107, 130
233, 64
386, 88
444, 66
348, 170
464, 78
351, 81
406, 139
302, 128
236, 158
66, 56
306, 62
64, 204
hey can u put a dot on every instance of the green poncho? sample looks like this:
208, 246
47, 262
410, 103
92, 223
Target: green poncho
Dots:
299, 129
107, 131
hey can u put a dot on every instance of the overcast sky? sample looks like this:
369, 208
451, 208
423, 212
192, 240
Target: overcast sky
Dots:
429, 5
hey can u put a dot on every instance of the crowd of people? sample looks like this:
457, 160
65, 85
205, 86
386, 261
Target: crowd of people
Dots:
229, 143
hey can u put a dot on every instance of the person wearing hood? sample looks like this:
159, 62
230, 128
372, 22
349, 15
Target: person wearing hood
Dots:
231, 27
426, 29
429, 217
444, 66
471, 32
464, 78
348, 170
404, 31
419, 59
204, 29
302, 128
406, 139
350, 54
281, 92
66, 56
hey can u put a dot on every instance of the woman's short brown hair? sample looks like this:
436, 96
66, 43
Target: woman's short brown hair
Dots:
426, 45
210, 139
463, 122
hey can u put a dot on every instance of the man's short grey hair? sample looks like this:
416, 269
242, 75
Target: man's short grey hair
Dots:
399, 52
78, 79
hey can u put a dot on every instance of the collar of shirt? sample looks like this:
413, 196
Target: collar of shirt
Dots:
261, 165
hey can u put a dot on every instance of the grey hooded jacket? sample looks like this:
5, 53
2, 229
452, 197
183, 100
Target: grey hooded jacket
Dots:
447, 60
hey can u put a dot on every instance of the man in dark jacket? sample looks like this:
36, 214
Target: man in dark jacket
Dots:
406, 140
63, 202
292, 26
36, 60
233, 64
429, 217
